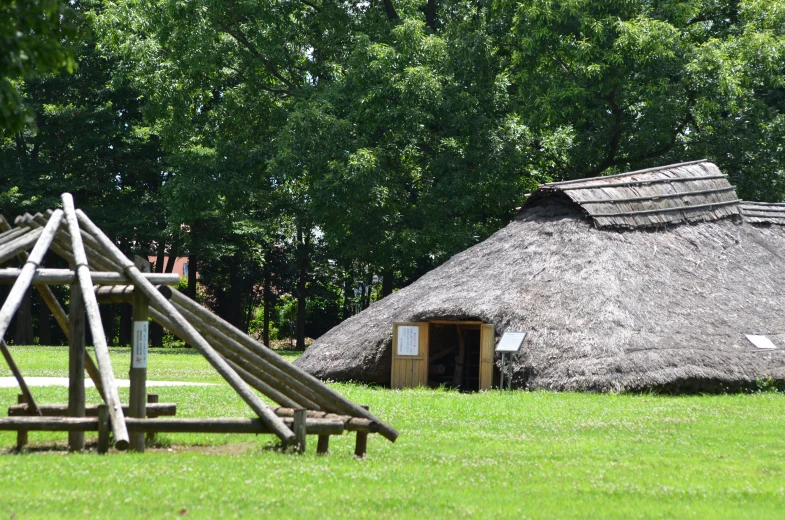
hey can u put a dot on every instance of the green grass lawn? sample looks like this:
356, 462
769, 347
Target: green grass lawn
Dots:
488, 455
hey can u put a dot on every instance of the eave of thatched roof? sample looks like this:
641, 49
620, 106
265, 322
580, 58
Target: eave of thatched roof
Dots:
679, 193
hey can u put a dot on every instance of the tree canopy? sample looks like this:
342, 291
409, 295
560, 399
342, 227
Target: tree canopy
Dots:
324, 153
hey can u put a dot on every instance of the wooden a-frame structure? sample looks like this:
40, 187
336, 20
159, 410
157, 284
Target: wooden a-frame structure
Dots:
100, 272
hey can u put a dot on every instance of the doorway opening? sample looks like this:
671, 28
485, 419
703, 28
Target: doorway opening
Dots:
453, 354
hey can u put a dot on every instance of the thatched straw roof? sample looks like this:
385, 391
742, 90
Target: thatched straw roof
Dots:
604, 309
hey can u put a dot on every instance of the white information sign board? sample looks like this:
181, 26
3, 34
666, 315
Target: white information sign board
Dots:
141, 333
761, 342
408, 340
511, 342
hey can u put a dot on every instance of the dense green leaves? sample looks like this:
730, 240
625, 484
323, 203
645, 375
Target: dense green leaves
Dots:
31, 42
306, 146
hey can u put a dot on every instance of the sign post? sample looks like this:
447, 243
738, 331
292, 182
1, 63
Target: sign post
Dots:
509, 344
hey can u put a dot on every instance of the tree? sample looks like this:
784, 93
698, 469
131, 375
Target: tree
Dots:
641, 83
31, 43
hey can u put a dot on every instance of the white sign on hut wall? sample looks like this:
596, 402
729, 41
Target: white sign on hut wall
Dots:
761, 342
141, 329
408, 340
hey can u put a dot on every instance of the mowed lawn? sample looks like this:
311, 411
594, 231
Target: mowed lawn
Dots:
487, 455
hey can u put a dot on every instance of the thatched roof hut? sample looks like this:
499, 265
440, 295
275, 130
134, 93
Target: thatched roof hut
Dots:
649, 279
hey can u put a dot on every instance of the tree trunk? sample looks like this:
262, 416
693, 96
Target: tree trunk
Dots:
156, 331
389, 9
125, 324
170, 263
107, 318
303, 242
44, 327
235, 301
191, 290
387, 282
24, 321
267, 301
348, 294
430, 14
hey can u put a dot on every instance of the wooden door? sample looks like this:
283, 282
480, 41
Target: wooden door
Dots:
409, 355
487, 342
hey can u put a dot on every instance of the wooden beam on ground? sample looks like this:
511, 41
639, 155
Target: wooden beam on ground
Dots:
169, 425
270, 420
339, 404
111, 395
91, 410
351, 424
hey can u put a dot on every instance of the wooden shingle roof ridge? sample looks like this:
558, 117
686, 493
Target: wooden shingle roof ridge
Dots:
628, 174
756, 212
687, 192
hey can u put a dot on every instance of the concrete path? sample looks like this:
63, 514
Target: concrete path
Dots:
10, 382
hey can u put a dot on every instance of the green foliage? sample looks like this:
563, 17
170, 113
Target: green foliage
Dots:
637, 84
308, 146
31, 42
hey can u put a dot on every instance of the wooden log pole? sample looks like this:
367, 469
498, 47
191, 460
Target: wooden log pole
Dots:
299, 430
19, 379
68, 276
351, 424
193, 337
20, 287
19, 244
21, 435
95, 258
323, 445
260, 385
25, 278
76, 364
337, 403
170, 425
138, 373
111, 395
234, 361
296, 395
103, 429
361, 443
154, 409
60, 316
12, 234
125, 293
152, 413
